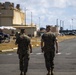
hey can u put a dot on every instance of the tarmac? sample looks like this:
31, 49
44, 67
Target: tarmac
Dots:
15, 70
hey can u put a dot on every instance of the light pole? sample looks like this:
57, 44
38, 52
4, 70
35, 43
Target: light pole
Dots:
31, 18
25, 15
60, 23
63, 24
57, 22
39, 22
31, 24
72, 24
70, 27
0, 19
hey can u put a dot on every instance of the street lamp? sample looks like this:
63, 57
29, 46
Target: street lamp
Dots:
0, 19
39, 22
60, 23
31, 18
31, 24
57, 22
63, 24
72, 24
25, 15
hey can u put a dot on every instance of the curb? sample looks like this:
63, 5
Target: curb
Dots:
13, 49
9, 50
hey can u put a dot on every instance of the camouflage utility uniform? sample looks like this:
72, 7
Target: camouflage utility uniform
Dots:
23, 51
49, 49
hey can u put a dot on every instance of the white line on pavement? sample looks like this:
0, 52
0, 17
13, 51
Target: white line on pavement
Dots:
59, 53
68, 53
39, 53
9, 54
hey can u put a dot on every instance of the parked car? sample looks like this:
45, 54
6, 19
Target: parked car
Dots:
72, 33
4, 37
7, 37
1, 37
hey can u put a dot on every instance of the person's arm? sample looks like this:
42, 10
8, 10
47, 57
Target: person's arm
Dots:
30, 48
42, 44
56, 43
17, 41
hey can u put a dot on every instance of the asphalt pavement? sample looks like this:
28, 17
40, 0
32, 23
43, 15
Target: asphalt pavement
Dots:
65, 61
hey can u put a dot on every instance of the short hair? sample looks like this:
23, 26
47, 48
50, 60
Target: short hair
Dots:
22, 31
48, 26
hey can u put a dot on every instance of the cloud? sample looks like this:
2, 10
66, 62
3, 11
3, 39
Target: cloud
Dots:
60, 3
48, 10
71, 3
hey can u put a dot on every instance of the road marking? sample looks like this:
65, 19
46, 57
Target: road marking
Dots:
9, 54
39, 53
8, 50
68, 53
36, 53
59, 53
31, 53
42, 53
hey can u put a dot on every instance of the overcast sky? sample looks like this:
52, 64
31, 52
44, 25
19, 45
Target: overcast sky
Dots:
49, 11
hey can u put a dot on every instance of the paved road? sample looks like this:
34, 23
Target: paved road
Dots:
65, 61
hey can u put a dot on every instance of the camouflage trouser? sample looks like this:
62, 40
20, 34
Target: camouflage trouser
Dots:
49, 57
23, 62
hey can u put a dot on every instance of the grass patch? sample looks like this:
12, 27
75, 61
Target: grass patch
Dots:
34, 41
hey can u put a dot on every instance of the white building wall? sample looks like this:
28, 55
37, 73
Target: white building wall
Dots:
31, 31
18, 18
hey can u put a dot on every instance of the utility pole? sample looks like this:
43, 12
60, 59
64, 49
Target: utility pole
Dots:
70, 27
39, 22
72, 24
25, 15
60, 22
31, 18
63, 24
31, 24
0, 19
57, 22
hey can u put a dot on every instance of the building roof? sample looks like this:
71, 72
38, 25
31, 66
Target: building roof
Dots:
23, 26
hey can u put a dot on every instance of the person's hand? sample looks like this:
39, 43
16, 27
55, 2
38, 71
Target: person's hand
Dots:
31, 51
42, 50
57, 51
17, 51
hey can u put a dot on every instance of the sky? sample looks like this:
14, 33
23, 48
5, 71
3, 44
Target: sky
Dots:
49, 12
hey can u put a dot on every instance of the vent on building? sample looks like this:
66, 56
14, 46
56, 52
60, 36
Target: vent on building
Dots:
1, 5
11, 5
18, 6
7, 5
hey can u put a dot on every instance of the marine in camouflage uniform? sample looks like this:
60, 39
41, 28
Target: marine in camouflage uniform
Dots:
23, 42
48, 42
